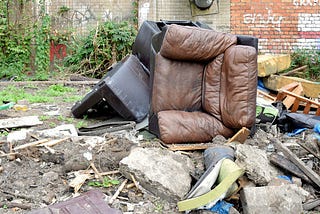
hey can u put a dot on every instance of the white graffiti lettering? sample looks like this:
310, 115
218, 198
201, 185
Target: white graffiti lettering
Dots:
306, 3
264, 20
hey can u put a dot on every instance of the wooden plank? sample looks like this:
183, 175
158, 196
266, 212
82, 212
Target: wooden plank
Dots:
292, 157
20, 122
294, 70
306, 109
265, 95
275, 82
295, 106
240, 136
289, 100
189, 147
271, 64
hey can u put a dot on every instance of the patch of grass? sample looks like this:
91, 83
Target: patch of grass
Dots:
65, 119
57, 90
44, 117
158, 207
13, 94
3, 133
71, 99
107, 182
81, 124
52, 124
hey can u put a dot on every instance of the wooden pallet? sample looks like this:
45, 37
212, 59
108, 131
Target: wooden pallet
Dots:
295, 100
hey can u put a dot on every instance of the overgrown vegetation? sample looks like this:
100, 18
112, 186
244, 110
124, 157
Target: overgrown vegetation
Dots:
108, 43
24, 43
311, 58
26, 34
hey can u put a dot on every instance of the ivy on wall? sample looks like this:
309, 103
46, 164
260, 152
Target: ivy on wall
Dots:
24, 49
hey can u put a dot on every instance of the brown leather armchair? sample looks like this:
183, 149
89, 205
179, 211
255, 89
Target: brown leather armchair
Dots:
203, 84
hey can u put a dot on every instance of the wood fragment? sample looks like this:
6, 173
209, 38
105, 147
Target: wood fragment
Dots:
241, 136
30, 144
189, 147
311, 204
135, 181
54, 142
116, 194
294, 71
289, 100
293, 158
96, 171
266, 95
309, 150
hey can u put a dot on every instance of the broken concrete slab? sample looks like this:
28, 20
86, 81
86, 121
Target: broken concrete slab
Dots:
66, 130
273, 199
164, 173
256, 164
20, 122
272, 64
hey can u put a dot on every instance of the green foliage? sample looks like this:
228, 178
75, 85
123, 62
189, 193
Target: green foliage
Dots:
109, 42
106, 183
311, 58
24, 46
13, 94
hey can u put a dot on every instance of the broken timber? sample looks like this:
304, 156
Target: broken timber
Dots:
272, 64
275, 82
293, 158
298, 100
240, 136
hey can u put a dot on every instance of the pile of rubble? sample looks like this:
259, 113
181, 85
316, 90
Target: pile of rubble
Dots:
118, 166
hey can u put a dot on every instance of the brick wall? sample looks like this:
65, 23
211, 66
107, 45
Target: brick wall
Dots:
281, 25
217, 16
84, 14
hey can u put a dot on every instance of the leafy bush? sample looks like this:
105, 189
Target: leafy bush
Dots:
311, 58
24, 47
108, 43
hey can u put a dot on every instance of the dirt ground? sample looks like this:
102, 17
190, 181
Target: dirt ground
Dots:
35, 177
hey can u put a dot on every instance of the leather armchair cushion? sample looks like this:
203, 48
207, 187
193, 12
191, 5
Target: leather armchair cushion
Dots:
177, 85
194, 44
185, 127
211, 87
239, 87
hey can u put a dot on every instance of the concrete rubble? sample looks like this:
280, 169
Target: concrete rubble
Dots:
256, 163
164, 173
273, 199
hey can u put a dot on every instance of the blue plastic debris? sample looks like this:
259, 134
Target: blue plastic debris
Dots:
221, 207
286, 177
296, 132
316, 129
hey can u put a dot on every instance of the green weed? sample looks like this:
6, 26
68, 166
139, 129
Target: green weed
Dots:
106, 183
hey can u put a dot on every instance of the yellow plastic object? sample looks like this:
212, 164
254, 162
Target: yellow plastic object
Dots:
20, 107
229, 173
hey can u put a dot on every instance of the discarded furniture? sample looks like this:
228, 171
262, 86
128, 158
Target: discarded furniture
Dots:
275, 82
203, 84
125, 88
291, 96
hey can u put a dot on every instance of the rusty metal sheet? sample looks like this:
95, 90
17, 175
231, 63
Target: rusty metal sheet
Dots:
91, 202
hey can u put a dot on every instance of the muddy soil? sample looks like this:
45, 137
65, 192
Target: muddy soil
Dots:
37, 176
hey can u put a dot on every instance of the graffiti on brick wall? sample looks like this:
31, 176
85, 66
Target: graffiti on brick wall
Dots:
263, 20
82, 17
306, 3
309, 25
